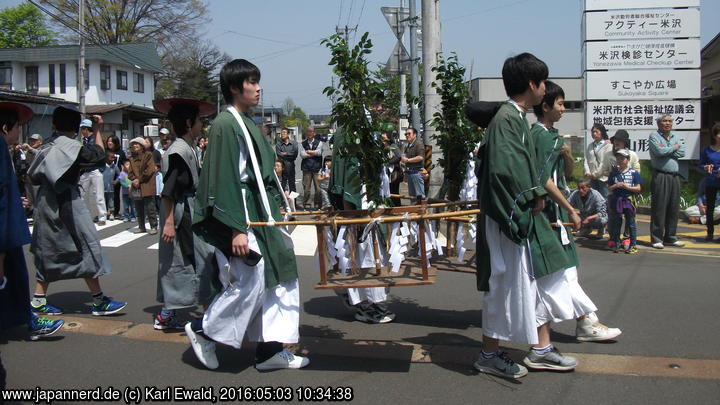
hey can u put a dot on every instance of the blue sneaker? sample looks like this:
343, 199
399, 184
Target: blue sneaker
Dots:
42, 327
107, 307
46, 309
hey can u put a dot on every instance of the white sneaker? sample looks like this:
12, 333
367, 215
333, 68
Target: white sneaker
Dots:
659, 245
283, 359
204, 349
677, 243
589, 331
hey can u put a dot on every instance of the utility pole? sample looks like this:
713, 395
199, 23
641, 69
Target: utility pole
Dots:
81, 67
414, 86
431, 48
403, 87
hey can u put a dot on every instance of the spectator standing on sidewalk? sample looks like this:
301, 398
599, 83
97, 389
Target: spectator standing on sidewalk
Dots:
142, 190
91, 180
287, 151
311, 153
413, 158
110, 173
594, 158
112, 143
710, 164
665, 151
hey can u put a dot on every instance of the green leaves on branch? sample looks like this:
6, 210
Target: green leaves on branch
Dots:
354, 97
456, 135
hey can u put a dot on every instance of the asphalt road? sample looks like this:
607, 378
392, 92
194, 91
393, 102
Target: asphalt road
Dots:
664, 302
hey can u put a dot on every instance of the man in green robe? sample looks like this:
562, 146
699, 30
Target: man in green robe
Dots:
566, 300
257, 265
516, 246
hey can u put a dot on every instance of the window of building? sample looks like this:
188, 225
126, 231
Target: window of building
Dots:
104, 77
6, 75
121, 78
63, 81
138, 82
31, 79
51, 78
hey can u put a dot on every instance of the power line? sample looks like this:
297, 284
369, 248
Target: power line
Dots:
86, 36
339, 13
96, 40
350, 12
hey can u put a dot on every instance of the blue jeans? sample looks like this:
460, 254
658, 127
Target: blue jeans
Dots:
416, 185
616, 223
129, 212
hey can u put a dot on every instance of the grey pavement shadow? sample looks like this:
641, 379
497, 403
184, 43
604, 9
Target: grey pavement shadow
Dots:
408, 312
411, 313
446, 339
323, 331
324, 362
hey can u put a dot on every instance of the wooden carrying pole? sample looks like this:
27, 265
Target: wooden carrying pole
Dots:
359, 221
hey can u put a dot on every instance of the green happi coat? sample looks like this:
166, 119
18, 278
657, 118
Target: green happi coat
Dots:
508, 185
548, 144
345, 180
223, 198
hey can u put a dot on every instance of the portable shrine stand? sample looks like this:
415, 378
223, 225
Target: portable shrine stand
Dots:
376, 224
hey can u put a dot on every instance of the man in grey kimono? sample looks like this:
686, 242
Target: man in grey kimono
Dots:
185, 262
65, 243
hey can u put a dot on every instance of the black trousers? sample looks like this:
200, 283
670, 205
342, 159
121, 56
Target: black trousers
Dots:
710, 197
146, 204
288, 176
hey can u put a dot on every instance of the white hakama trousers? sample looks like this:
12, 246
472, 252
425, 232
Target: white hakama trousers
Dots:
561, 298
509, 306
246, 306
372, 295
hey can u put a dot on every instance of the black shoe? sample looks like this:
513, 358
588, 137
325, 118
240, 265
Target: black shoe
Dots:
709, 238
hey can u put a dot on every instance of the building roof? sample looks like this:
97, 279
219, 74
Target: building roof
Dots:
24, 97
137, 110
138, 55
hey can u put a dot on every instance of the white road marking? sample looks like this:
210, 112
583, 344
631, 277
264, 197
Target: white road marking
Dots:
121, 238
305, 240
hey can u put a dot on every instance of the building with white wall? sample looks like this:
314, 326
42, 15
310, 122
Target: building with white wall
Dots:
119, 79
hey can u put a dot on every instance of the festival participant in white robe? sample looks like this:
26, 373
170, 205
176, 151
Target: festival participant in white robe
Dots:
185, 263
65, 243
257, 265
516, 245
554, 162
346, 193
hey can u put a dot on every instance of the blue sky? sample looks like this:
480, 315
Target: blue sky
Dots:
482, 32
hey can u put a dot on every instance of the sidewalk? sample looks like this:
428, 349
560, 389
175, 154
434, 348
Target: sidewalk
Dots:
692, 234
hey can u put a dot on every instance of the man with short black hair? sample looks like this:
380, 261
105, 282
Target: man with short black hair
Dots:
413, 158
65, 243
287, 150
311, 153
258, 268
665, 151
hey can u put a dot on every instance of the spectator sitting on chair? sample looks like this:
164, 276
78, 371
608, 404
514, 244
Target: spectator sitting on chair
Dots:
592, 208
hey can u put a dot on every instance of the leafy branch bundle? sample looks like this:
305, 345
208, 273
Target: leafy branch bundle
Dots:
456, 135
355, 96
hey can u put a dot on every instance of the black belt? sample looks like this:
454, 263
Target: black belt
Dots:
412, 171
670, 173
